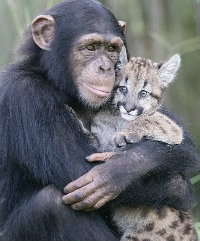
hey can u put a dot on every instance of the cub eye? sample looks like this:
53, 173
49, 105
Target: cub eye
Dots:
112, 48
143, 94
91, 47
123, 89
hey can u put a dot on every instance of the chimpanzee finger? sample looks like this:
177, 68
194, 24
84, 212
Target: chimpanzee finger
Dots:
101, 202
100, 156
80, 182
80, 194
89, 201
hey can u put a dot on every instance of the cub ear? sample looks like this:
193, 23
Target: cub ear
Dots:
167, 71
123, 58
43, 30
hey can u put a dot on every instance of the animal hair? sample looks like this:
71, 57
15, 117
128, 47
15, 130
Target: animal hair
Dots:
124, 127
43, 148
112, 130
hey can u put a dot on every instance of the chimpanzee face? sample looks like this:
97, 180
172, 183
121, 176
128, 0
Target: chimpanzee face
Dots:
92, 59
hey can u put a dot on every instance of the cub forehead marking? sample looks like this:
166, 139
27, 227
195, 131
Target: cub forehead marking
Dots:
139, 67
141, 61
143, 72
145, 83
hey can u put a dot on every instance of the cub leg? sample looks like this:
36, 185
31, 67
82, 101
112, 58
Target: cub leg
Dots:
157, 127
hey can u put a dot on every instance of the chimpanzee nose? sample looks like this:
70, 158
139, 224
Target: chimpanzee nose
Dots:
105, 67
129, 107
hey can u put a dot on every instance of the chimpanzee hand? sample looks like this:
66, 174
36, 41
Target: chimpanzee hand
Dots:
100, 156
100, 185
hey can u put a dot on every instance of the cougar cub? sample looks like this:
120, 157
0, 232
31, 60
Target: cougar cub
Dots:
131, 115
134, 111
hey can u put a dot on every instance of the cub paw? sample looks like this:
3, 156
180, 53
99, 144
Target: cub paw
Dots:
131, 138
119, 139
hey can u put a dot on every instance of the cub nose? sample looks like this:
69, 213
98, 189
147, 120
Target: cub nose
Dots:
129, 107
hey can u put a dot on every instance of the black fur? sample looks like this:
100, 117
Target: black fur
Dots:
42, 147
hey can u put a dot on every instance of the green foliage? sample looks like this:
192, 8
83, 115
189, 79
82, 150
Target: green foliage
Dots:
195, 179
197, 226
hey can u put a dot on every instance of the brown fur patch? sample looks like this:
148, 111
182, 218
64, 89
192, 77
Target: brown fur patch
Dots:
129, 237
162, 213
174, 225
144, 212
187, 229
162, 232
182, 217
150, 227
170, 238
163, 130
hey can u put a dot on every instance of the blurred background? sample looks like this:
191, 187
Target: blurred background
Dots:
156, 29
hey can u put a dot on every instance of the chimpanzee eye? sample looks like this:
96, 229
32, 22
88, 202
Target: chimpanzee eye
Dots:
91, 47
112, 48
123, 89
143, 94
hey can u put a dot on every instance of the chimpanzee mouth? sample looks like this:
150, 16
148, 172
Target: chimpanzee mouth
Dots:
99, 92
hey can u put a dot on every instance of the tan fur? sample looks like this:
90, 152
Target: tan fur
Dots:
138, 71
147, 224
157, 127
142, 74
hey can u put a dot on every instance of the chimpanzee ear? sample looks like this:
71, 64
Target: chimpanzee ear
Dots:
43, 30
123, 25
167, 71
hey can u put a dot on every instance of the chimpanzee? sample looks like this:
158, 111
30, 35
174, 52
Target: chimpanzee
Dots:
66, 69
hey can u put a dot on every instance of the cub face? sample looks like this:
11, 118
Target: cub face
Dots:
141, 84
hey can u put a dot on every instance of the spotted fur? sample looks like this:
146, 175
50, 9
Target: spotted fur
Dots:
145, 223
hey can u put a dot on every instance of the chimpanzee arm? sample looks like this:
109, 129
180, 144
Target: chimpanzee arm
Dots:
165, 183
43, 216
142, 163
41, 144
39, 135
